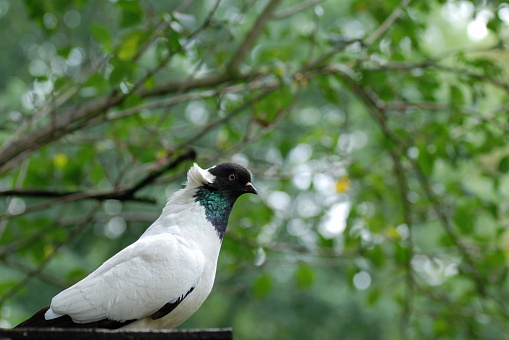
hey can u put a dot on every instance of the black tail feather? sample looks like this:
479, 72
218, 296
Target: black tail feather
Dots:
39, 321
36, 320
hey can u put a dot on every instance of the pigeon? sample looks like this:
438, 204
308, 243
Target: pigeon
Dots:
160, 280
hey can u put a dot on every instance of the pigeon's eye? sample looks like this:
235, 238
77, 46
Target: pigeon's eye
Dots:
232, 177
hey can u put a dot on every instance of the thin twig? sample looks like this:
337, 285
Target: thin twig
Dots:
169, 102
402, 146
252, 36
432, 64
446, 224
287, 12
122, 194
387, 23
229, 116
17, 149
399, 173
22, 267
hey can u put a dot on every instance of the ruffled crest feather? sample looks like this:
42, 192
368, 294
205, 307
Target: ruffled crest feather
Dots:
197, 177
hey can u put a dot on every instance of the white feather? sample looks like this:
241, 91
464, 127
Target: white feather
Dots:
197, 177
50, 314
177, 252
134, 283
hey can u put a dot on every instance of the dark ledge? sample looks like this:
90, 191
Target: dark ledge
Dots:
117, 334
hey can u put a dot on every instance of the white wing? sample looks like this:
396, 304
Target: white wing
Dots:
134, 283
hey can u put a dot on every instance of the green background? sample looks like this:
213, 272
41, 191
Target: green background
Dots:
376, 132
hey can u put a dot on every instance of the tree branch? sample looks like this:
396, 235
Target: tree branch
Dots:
230, 115
287, 12
42, 193
22, 267
251, 37
366, 42
169, 102
152, 176
446, 224
20, 145
399, 173
432, 63
387, 23
122, 194
401, 146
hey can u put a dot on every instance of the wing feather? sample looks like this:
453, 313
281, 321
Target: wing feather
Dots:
135, 283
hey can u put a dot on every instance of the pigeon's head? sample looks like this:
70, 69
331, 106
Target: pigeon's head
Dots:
217, 189
233, 178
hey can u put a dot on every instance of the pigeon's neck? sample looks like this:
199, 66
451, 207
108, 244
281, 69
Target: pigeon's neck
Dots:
218, 205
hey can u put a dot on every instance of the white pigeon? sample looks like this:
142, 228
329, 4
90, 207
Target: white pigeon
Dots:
160, 280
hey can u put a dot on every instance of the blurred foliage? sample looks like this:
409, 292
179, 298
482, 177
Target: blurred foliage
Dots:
376, 132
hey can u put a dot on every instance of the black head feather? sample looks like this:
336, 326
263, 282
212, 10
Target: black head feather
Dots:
231, 180
232, 177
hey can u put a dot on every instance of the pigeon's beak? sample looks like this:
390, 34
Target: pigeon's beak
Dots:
250, 188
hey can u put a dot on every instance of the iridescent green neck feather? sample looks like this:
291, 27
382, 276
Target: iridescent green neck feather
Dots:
218, 205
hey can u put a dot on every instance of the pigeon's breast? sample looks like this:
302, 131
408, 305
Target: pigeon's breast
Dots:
186, 308
197, 235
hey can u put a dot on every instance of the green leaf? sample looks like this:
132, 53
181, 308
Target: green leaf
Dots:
96, 81
129, 46
262, 286
6, 285
425, 161
150, 83
373, 296
400, 253
463, 218
330, 90
305, 277
377, 256
503, 165
174, 42
132, 100
121, 71
102, 35
456, 96
75, 274
116, 76
494, 24
488, 66
132, 13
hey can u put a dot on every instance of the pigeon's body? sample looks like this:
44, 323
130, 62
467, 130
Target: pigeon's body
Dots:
160, 280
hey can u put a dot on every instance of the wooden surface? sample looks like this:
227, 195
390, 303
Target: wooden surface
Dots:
106, 334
